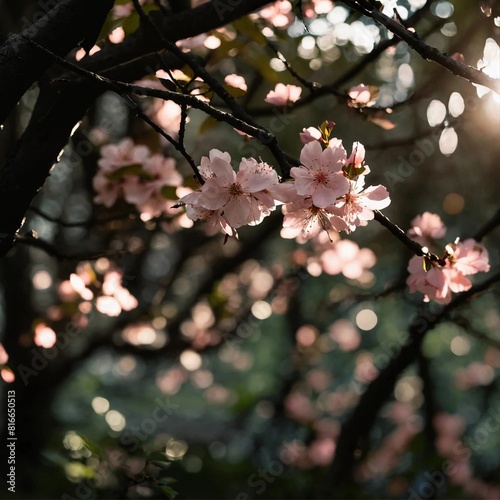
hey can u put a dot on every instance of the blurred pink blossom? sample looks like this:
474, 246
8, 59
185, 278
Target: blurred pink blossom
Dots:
236, 81
283, 95
426, 228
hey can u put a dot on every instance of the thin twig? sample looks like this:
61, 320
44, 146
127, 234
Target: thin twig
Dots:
429, 53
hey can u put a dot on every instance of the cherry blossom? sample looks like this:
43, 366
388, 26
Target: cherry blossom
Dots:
320, 175
347, 258
131, 172
437, 283
437, 280
305, 220
310, 134
236, 81
469, 257
362, 96
282, 95
356, 207
242, 198
146, 191
426, 228
108, 183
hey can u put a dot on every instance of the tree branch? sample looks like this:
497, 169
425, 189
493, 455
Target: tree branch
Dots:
429, 53
359, 424
69, 23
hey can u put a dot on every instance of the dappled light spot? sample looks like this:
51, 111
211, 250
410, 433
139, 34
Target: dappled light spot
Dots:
453, 203
306, 336
448, 141
345, 334
42, 280
115, 420
460, 345
100, 405
366, 319
176, 449
191, 360
45, 336
73, 441
202, 379
456, 104
436, 113
7, 375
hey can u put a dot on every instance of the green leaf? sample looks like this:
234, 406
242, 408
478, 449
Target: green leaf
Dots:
169, 492
352, 172
247, 27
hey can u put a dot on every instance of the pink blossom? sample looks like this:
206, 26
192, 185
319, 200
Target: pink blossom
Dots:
470, 257
214, 219
361, 95
426, 228
113, 158
357, 158
123, 154
320, 175
236, 81
310, 134
304, 220
347, 258
357, 206
283, 94
233, 192
168, 117
146, 192
438, 282
242, 198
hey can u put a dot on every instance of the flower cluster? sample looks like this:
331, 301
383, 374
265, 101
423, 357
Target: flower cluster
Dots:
229, 199
437, 280
326, 192
328, 188
130, 171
